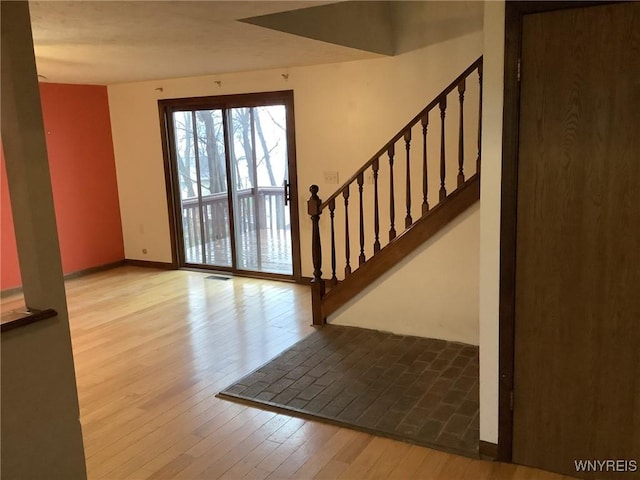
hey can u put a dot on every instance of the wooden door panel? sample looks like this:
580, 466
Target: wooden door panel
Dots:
577, 312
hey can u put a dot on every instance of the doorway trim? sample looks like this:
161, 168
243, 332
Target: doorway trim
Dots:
514, 13
284, 97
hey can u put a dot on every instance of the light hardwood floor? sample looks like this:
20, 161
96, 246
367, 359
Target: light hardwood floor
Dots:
152, 348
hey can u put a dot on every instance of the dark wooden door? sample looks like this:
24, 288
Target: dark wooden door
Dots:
577, 300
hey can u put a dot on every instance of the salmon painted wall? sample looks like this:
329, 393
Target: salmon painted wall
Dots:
85, 192
9, 269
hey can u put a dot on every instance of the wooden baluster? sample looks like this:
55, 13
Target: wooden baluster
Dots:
425, 184
376, 216
479, 120
461, 89
317, 284
443, 165
392, 204
347, 268
361, 258
407, 142
332, 213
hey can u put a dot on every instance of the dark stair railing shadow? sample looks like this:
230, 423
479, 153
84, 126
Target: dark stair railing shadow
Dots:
329, 295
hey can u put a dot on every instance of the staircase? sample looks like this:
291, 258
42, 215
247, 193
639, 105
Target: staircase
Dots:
380, 197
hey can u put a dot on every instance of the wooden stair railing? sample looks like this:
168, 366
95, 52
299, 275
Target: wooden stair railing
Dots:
432, 218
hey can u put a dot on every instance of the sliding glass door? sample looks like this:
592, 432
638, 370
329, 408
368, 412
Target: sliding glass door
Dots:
231, 169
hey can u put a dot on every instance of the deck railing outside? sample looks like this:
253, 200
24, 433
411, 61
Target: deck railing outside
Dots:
260, 220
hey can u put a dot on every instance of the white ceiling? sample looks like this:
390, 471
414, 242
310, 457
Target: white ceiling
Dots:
107, 42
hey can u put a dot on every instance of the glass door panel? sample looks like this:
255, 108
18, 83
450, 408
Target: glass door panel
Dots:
203, 187
188, 183
258, 154
242, 155
272, 179
215, 198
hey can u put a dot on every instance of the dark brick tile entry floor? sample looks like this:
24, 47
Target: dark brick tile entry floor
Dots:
420, 390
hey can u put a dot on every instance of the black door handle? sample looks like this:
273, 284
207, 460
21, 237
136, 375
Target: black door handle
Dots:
287, 192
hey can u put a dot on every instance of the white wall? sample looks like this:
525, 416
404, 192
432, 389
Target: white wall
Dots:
431, 293
493, 90
344, 113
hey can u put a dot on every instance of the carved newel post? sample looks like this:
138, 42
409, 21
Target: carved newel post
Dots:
317, 284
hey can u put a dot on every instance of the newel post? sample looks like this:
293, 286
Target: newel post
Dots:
317, 284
